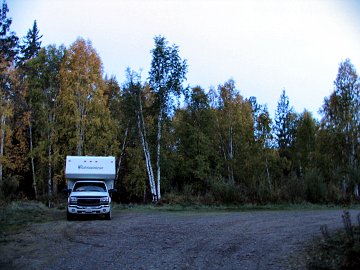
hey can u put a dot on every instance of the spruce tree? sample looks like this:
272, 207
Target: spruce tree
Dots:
31, 43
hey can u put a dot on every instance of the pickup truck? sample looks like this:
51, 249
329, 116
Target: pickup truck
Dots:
90, 183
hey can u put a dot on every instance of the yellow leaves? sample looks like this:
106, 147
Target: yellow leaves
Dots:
17, 147
82, 100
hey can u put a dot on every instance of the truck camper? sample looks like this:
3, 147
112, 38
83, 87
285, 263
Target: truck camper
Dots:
90, 182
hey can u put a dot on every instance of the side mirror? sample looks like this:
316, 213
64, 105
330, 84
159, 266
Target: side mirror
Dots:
113, 190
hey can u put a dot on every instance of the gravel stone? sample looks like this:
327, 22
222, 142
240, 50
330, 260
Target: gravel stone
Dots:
170, 240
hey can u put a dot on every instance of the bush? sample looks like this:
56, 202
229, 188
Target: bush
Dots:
340, 250
293, 189
226, 193
10, 185
315, 187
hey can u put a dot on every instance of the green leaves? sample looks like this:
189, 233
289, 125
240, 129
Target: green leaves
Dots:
167, 72
57, 102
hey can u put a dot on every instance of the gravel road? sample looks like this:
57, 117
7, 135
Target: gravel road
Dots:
169, 240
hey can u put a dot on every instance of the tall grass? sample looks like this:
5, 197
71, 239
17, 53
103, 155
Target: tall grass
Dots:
16, 215
339, 250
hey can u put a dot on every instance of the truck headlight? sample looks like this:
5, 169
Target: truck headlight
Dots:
104, 199
73, 200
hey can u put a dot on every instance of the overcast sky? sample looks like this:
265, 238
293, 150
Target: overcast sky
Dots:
264, 45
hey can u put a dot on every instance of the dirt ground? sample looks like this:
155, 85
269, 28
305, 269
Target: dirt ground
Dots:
169, 240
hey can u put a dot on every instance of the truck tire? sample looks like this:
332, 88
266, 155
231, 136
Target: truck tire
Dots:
69, 216
108, 216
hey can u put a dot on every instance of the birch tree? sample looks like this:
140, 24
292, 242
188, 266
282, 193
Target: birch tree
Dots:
166, 75
134, 96
83, 107
341, 111
43, 85
227, 121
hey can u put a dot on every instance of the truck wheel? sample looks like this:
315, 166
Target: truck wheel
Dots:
108, 216
69, 216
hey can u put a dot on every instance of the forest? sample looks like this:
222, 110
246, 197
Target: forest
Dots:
172, 143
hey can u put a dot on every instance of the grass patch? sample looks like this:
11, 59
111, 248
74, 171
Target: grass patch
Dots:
338, 250
227, 208
16, 215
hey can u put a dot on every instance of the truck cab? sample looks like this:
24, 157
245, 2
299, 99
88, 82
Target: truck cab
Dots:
90, 183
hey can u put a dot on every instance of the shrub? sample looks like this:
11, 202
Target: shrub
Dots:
10, 185
339, 250
293, 189
227, 193
315, 187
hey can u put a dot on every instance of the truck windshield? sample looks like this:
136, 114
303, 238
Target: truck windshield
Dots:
86, 186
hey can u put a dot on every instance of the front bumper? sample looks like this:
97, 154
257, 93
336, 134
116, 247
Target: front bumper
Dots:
89, 210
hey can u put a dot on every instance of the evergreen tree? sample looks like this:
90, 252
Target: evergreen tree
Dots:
29, 50
31, 43
8, 39
285, 122
8, 52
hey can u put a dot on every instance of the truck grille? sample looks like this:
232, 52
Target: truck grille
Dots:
88, 201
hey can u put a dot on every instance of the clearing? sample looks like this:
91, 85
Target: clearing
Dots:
168, 240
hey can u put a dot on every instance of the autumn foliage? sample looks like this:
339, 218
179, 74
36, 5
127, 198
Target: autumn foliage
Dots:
211, 146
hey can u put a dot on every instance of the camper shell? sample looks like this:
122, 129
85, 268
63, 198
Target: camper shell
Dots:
90, 182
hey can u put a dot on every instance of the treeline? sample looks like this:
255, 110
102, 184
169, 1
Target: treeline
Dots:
213, 146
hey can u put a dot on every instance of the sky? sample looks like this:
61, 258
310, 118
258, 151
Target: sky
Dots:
265, 46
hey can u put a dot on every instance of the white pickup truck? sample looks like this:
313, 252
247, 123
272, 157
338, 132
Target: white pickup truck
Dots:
90, 183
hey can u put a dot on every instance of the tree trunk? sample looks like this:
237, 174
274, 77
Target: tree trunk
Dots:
122, 153
49, 182
81, 127
268, 174
356, 191
142, 132
231, 156
2, 142
51, 120
32, 160
49, 166
79, 147
158, 155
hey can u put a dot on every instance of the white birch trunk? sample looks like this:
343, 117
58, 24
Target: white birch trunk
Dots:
149, 169
231, 156
51, 120
158, 155
49, 181
147, 161
32, 160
